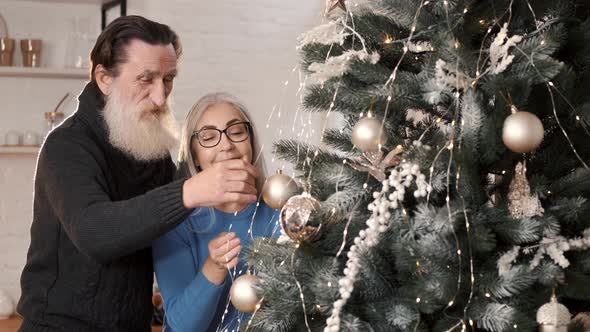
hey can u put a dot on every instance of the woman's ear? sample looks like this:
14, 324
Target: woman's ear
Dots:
103, 79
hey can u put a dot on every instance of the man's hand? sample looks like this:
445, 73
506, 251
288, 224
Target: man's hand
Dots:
229, 181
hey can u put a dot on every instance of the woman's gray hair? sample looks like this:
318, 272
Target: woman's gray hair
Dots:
186, 160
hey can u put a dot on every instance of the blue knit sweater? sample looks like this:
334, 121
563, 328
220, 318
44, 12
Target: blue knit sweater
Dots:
191, 302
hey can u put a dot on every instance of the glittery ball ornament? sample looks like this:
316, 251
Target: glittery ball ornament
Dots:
278, 189
243, 293
522, 132
368, 134
295, 215
521, 203
553, 317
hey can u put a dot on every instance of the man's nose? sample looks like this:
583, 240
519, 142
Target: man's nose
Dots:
158, 94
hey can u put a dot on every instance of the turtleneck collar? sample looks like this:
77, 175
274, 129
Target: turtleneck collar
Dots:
91, 103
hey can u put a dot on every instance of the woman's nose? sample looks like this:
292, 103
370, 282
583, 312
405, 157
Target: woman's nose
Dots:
225, 142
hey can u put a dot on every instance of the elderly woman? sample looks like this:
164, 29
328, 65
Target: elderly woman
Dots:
196, 262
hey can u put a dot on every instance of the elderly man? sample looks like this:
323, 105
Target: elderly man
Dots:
104, 189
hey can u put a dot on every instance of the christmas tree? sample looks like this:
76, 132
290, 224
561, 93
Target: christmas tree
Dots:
455, 194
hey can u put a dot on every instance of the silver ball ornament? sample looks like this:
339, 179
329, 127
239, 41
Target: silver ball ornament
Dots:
296, 213
243, 293
278, 189
368, 134
522, 132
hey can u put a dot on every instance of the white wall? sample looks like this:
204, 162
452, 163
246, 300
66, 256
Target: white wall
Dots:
243, 47
246, 48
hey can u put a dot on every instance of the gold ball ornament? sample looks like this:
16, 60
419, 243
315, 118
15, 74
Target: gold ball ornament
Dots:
296, 213
278, 189
243, 293
368, 134
522, 132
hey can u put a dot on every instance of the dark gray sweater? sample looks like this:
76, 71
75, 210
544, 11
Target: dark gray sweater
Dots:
95, 213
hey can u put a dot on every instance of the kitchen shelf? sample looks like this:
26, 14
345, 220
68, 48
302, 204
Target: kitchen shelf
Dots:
81, 2
69, 73
6, 149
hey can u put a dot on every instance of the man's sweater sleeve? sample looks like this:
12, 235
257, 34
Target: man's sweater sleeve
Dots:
190, 299
74, 184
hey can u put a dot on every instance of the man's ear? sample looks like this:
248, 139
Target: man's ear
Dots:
103, 79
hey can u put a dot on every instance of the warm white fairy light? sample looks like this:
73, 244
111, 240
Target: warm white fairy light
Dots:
393, 75
451, 147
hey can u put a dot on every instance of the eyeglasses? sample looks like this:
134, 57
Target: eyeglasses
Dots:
235, 132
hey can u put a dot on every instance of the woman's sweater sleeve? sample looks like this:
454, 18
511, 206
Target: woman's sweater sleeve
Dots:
190, 299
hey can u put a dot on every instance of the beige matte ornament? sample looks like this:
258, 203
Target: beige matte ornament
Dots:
278, 189
368, 135
522, 132
243, 293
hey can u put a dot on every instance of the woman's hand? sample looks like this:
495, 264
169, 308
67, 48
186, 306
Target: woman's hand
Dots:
223, 255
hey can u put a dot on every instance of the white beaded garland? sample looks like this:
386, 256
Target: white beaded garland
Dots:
399, 178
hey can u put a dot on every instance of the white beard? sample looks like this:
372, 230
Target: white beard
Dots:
144, 131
